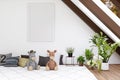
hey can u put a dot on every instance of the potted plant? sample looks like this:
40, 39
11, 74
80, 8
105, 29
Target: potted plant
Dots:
105, 49
81, 60
88, 54
70, 51
91, 64
89, 59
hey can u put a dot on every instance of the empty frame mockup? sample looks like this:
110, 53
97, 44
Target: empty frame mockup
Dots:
41, 22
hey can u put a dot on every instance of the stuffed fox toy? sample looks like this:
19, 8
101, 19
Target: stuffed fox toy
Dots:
51, 65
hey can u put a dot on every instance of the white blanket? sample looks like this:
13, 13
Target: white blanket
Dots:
63, 73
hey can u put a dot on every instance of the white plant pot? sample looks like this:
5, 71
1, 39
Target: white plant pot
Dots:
105, 66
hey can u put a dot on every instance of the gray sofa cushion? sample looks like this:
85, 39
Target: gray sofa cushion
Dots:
3, 57
43, 60
12, 62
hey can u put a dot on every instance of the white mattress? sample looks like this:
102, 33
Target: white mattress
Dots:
63, 73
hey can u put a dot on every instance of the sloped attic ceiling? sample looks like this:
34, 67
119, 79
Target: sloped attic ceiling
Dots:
92, 23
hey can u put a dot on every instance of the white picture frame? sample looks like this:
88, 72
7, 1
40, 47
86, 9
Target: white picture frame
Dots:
41, 20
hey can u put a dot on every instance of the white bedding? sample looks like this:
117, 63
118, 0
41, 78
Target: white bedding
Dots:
63, 73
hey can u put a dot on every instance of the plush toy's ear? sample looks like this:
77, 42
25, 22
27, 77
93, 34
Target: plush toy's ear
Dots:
55, 51
48, 51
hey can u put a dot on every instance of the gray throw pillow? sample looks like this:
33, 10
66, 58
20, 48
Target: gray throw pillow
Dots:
3, 57
43, 60
11, 62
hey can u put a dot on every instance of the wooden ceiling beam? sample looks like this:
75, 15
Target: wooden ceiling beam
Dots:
117, 3
102, 16
88, 21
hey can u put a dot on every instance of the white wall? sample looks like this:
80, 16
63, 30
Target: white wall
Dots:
70, 30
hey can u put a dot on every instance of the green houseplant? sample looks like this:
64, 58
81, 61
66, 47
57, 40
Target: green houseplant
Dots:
81, 60
70, 51
105, 49
89, 59
88, 54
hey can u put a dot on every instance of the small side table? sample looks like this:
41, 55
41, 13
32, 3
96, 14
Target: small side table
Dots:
71, 60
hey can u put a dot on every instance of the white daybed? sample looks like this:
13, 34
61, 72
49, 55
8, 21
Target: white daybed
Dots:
63, 73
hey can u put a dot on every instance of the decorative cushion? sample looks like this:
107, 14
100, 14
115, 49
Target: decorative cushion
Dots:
61, 60
11, 62
43, 60
3, 57
23, 62
24, 56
